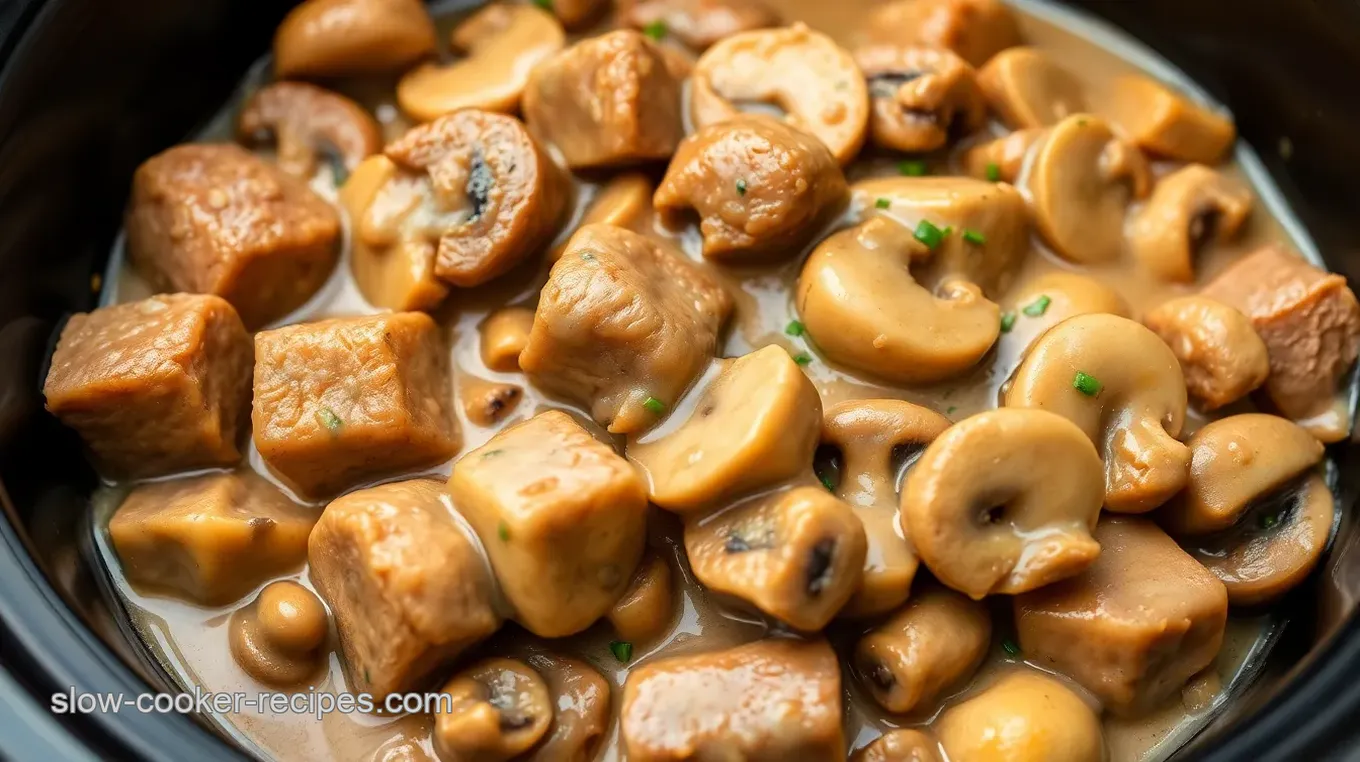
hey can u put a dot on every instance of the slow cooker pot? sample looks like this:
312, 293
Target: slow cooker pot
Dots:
89, 89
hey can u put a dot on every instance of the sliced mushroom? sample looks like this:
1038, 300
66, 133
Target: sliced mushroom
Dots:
503, 336
1039, 304
304, 120
875, 439
497, 709
1023, 522
1028, 89
805, 73
900, 746
932, 645
762, 189
1080, 183
278, 638
1189, 208
921, 97
857, 296
646, 607
625, 201
578, 14
1026, 716
581, 717
500, 45
795, 555
345, 38
975, 29
1121, 385
1167, 124
1002, 159
754, 424
1236, 461
488, 165
698, 23
1221, 355
487, 403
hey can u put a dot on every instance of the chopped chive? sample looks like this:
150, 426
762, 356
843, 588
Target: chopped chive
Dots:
329, 419
367, 679
622, 650
974, 237
503, 532
949, 410
741, 187
883, 203
994, 172
929, 235
795, 328
826, 482
1007, 321
803, 358
492, 453
1010, 647
587, 256
912, 168
1081, 122
655, 405
1269, 520
1086, 384
1038, 306
948, 230
656, 30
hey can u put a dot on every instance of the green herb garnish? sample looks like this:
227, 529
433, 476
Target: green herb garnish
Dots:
949, 410
994, 172
1010, 647
655, 405
1038, 306
802, 358
912, 168
656, 30
974, 237
929, 235
503, 532
544, 4
883, 203
795, 328
1086, 384
1269, 520
1007, 321
622, 650
329, 419
826, 482
741, 187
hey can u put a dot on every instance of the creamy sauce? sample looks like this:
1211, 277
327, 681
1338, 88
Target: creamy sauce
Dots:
191, 641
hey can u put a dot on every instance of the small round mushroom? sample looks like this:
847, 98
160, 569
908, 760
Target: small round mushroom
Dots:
875, 439
1122, 386
487, 403
1080, 183
900, 746
754, 424
1189, 208
803, 72
1002, 159
304, 120
1028, 89
1039, 304
1221, 355
921, 97
1026, 716
1019, 524
503, 335
762, 189
346, 38
581, 718
1167, 124
861, 305
278, 638
698, 23
625, 201
497, 709
647, 606
500, 45
1236, 461
974, 29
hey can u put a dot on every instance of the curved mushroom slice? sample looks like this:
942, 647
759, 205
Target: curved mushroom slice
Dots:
582, 710
647, 606
795, 555
625, 201
500, 44
900, 746
305, 120
921, 97
698, 23
623, 327
1080, 183
277, 638
768, 701
1261, 560
1189, 208
1236, 461
345, 38
805, 73
1135, 626
1022, 523
607, 101
496, 710
1026, 716
864, 309
1121, 385
503, 335
761, 188
1027, 89
1002, 159
875, 438
1221, 355
1039, 304
932, 645
975, 29
1162, 122
486, 403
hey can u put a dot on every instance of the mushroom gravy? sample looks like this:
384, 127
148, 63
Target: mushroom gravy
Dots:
192, 641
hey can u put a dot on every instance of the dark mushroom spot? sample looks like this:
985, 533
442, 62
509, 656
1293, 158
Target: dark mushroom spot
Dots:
887, 85
819, 566
904, 456
1203, 226
479, 184
878, 675
515, 721
742, 540
992, 515
828, 464
706, 411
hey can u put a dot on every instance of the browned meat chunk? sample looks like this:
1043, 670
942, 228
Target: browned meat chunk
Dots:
343, 38
1134, 626
620, 322
341, 401
210, 539
155, 386
975, 29
407, 587
768, 701
698, 23
562, 517
215, 219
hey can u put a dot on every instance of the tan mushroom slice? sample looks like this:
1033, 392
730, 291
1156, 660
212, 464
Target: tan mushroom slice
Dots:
875, 438
861, 305
581, 700
698, 23
900, 746
931, 646
278, 638
488, 165
486, 403
497, 710
1167, 124
1221, 355
502, 337
500, 45
920, 97
755, 423
762, 189
1188, 209
805, 73
1026, 716
625, 201
346, 38
795, 555
1236, 461
1122, 386
1080, 183
974, 29
1037, 305
646, 608
1028, 89
304, 120
1021, 523
1002, 159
